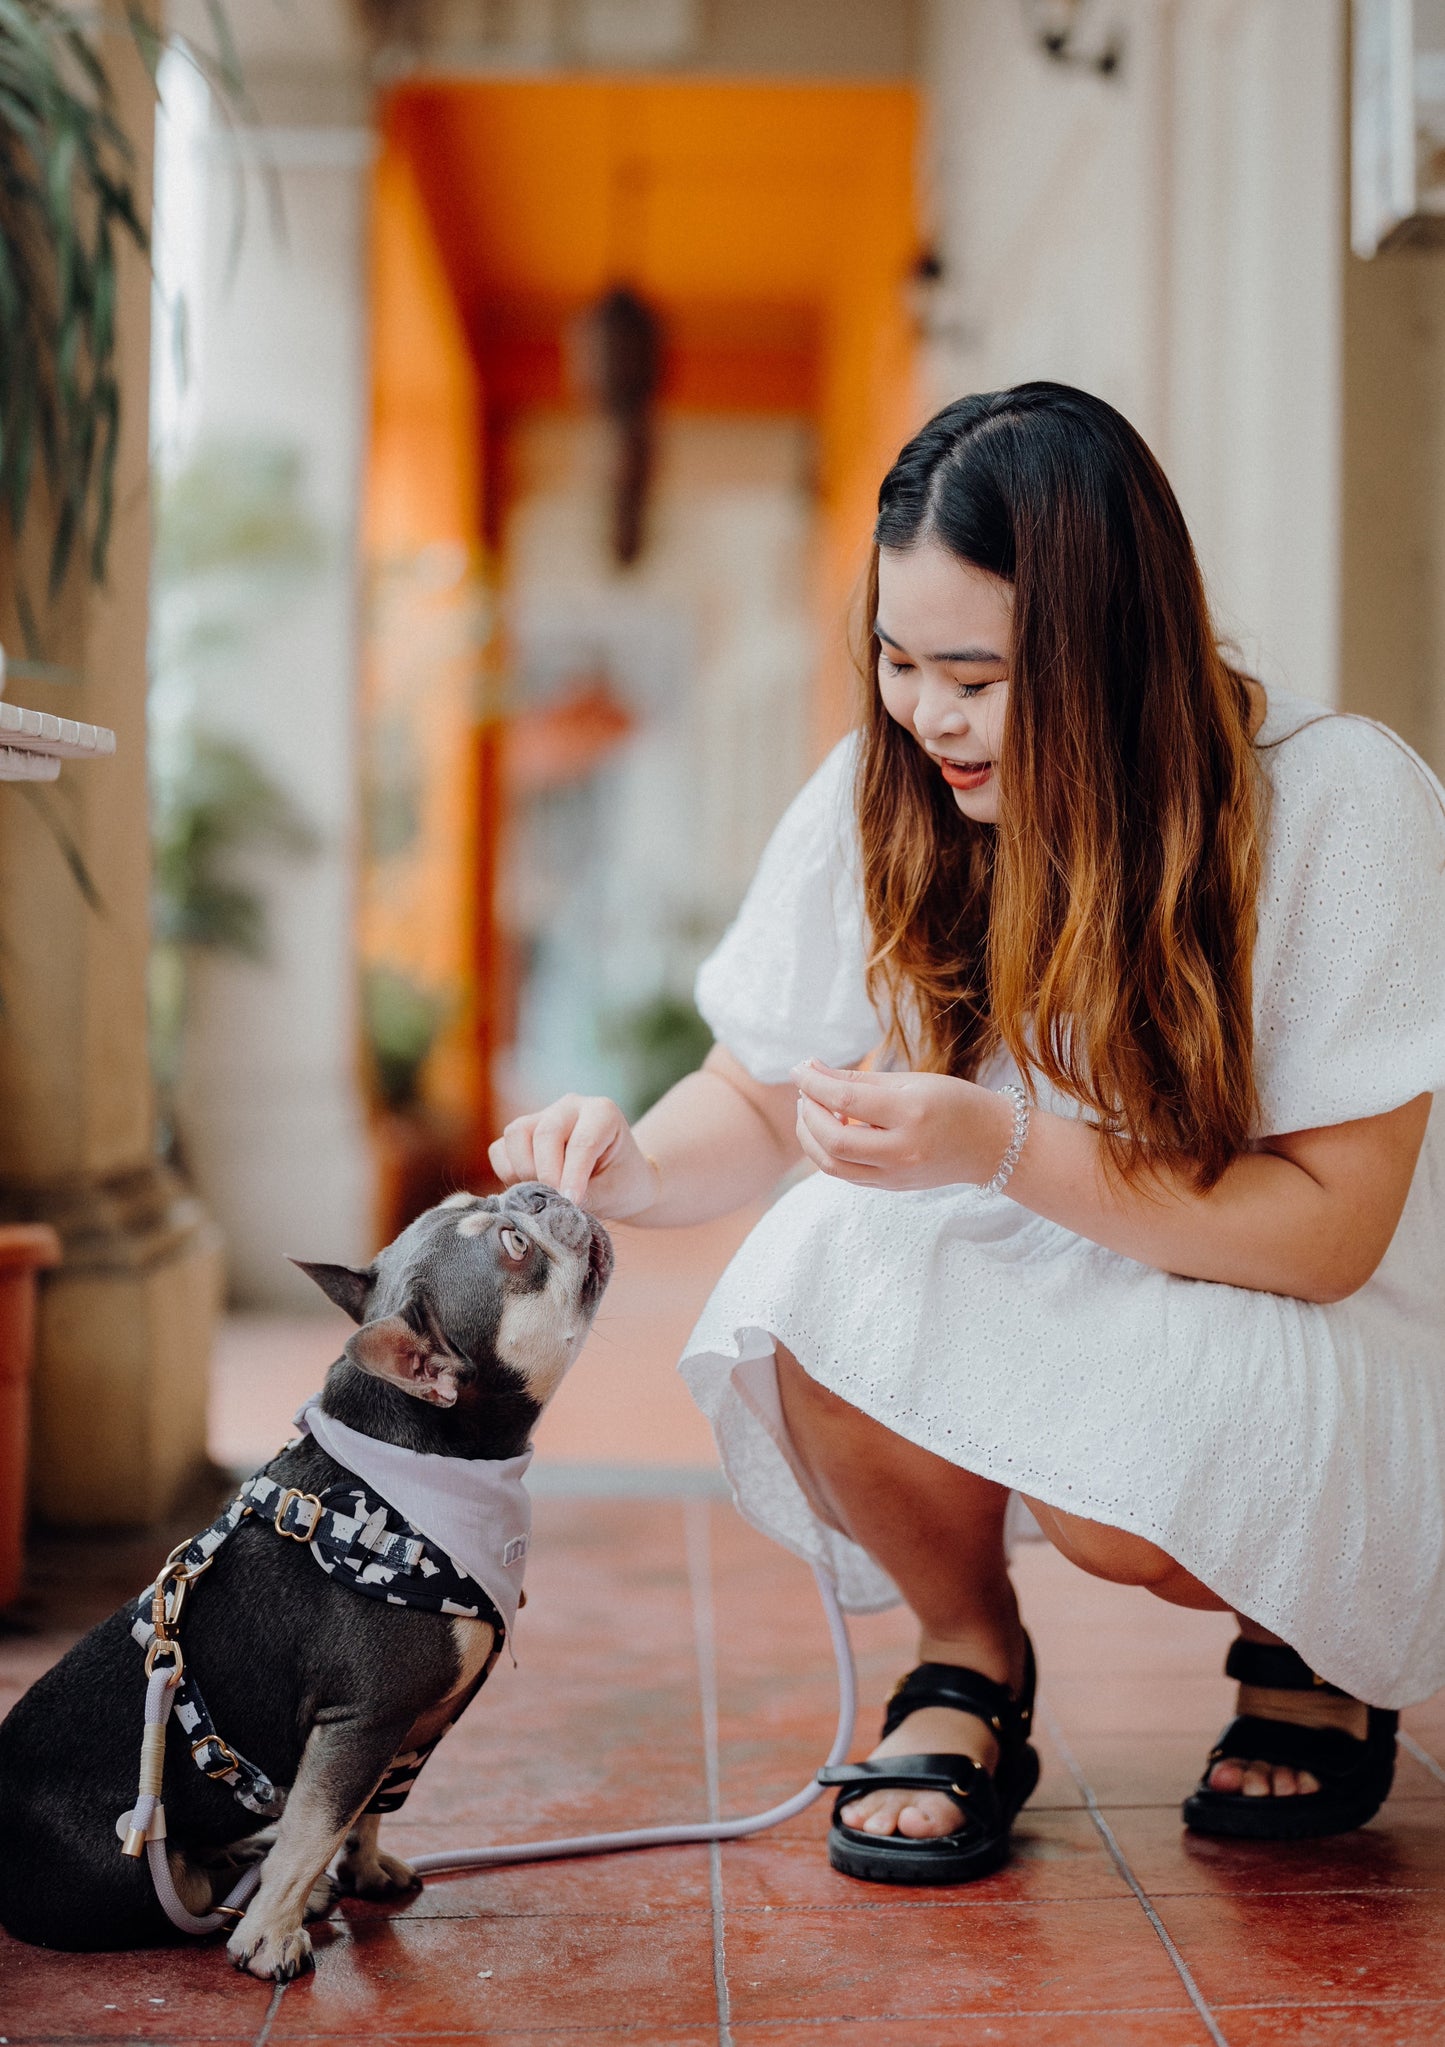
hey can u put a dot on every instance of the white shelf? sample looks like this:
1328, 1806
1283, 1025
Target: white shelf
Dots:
33, 743
63, 739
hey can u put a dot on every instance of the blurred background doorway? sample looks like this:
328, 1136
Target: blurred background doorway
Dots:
640, 354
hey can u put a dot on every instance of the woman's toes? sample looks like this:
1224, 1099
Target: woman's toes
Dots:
1227, 1775
1261, 1780
917, 1816
877, 1813
861, 1811
929, 1815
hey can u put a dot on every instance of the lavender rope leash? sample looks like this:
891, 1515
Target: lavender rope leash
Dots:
147, 1821
705, 1830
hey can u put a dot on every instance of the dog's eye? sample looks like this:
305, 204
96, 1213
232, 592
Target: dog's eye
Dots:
514, 1244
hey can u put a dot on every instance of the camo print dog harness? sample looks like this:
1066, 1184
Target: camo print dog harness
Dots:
357, 1539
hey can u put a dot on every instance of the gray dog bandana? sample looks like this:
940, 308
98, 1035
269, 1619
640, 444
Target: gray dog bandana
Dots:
474, 1508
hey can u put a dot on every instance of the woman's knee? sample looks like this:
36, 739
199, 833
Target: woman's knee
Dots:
849, 1455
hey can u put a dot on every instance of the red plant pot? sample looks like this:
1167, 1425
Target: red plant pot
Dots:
24, 1249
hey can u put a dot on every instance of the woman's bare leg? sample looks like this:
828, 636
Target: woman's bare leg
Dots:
938, 1532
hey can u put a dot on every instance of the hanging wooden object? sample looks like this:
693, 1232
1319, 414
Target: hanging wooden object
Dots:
622, 357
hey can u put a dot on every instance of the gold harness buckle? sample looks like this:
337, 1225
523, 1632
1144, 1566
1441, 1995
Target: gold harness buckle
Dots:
283, 1506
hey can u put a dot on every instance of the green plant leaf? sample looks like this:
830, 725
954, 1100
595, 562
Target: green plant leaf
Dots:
67, 195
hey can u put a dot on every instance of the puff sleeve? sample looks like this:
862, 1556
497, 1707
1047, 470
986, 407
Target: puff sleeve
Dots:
1349, 964
787, 980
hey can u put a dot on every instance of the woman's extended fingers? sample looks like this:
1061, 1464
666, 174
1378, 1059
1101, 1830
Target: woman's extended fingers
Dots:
564, 1145
511, 1153
863, 1096
551, 1135
851, 1147
599, 1125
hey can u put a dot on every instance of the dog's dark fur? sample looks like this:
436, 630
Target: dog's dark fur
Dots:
319, 1687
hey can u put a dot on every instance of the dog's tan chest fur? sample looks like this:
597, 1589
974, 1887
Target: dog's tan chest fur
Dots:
473, 1642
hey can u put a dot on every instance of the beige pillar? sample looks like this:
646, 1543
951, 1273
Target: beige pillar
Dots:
125, 1322
1392, 610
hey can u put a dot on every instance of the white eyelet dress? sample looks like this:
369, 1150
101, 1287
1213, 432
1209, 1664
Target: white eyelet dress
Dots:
1291, 1455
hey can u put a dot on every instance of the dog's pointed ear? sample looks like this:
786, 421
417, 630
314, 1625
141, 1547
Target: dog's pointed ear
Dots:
347, 1285
391, 1349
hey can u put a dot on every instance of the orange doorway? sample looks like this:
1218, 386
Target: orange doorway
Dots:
769, 230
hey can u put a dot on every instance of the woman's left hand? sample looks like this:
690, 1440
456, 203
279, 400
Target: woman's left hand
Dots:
901, 1130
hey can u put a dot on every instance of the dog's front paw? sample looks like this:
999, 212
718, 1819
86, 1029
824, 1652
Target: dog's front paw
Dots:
272, 1954
375, 1874
322, 1896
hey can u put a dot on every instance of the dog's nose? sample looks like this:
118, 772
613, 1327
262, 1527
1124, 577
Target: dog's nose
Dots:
532, 1199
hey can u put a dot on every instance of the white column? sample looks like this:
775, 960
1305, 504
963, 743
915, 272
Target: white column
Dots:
1256, 323
1169, 238
270, 1105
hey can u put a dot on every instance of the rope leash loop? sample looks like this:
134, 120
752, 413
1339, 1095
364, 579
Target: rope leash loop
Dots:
707, 1830
143, 1829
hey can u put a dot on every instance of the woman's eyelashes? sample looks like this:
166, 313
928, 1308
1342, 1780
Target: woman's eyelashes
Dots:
962, 689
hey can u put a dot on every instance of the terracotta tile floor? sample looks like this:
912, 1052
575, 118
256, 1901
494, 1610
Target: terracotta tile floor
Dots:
668, 1652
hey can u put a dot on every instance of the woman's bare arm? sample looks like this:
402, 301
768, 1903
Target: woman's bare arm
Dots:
1310, 1214
715, 1142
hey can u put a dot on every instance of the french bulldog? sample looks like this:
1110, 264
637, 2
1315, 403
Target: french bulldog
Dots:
466, 1325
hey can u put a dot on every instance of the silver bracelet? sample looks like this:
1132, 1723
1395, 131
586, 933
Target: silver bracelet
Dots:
1011, 1157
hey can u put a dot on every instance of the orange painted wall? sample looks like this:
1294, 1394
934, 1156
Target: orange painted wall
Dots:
425, 627
772, 225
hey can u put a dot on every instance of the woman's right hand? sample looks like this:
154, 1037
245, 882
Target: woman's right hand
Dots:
583, 1146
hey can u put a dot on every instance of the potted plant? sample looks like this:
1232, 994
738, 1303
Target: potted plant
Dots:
25, 1250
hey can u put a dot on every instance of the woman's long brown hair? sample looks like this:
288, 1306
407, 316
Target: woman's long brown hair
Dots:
1102, 932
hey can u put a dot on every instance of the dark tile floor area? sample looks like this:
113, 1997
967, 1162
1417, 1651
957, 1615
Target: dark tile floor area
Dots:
668, 1655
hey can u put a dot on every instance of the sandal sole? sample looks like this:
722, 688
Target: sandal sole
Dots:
1243, 1821
878, 1864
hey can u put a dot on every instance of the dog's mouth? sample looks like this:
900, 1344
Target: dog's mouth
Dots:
600, 1260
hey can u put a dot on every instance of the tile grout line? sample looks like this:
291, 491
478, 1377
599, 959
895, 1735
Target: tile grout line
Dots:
698, 1529
270, 2019
1421, 1755
1117, 1856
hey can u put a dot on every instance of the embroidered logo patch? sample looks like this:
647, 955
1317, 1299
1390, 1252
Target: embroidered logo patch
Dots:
515, 1551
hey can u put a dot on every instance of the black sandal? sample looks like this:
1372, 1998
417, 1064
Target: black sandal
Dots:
988, 1801
1354, 1775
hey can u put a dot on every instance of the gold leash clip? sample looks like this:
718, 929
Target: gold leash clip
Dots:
168, 1596
159, 1647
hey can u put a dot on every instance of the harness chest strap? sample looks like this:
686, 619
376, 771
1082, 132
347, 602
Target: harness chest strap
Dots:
353, 1536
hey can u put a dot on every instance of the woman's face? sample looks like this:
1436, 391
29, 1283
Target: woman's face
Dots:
945, 632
